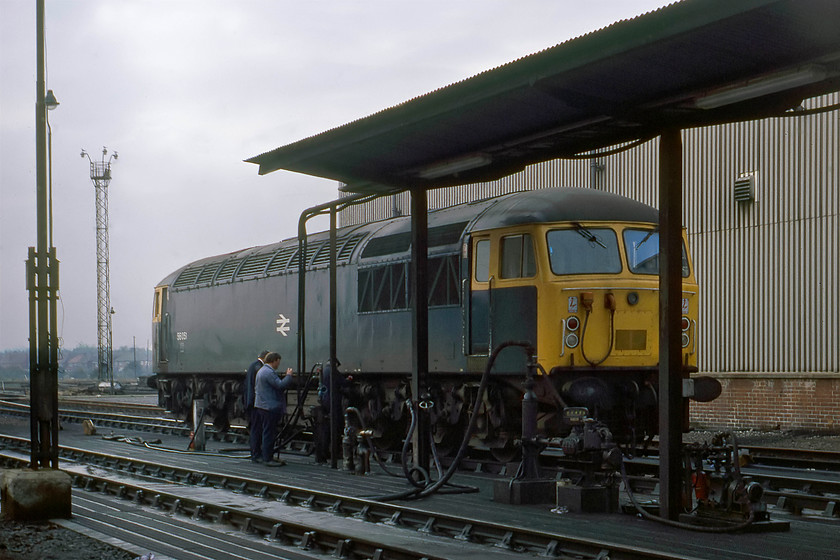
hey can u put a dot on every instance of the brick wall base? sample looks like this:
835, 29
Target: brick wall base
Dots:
772, 401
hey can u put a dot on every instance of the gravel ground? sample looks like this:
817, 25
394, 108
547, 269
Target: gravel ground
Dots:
48, 541
792, 439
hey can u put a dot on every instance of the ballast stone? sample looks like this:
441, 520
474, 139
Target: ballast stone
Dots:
27, 495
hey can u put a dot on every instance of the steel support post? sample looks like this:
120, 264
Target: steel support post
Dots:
420, 322
671, 407
336, 416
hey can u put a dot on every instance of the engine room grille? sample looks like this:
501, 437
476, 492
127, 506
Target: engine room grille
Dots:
254, 265
228, 269
281, 259
207, 273
346, 250
187, 277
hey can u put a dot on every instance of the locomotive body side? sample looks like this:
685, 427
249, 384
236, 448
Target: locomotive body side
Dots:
572, 271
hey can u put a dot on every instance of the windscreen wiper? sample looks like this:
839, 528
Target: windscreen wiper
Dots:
646, 237
588, 235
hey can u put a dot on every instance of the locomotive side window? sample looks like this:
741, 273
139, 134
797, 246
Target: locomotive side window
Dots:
385, 287
518, 257
444, 281
482, 261
583, 251
642, 249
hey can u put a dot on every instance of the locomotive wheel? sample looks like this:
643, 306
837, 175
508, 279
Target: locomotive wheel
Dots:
448, 438
505, 454
389, 437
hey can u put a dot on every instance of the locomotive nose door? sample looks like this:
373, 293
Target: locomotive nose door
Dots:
477, 324
502, 299
513, 298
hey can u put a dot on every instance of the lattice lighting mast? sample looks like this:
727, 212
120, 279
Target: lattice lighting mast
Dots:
100, 174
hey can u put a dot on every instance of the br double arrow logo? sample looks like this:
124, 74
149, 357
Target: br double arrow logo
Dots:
282, 325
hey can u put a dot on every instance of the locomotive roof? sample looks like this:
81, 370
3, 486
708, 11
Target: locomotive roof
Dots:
564, 205
392, 238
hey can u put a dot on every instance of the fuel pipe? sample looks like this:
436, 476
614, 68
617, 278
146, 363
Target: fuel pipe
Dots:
429, 488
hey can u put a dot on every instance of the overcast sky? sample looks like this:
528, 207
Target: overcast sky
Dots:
185, 90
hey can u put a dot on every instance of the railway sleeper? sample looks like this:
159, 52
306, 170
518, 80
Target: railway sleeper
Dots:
797, 504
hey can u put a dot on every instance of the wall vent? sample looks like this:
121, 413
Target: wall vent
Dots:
745, 188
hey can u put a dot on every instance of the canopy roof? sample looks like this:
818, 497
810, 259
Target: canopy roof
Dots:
693, 63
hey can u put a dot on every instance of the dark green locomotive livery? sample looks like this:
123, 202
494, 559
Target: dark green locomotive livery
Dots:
492, 278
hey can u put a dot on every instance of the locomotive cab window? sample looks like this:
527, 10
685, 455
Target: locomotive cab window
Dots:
582, 250
642, 250
482, 260
518, 257
157, 311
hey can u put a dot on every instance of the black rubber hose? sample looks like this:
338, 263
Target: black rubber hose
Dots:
282, 439
462, 450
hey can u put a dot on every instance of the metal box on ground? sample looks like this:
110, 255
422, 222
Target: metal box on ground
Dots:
587, 499
517, 492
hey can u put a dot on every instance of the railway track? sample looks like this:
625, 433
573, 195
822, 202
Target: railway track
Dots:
793, 491
792, 486
152, 418
792, 458
274, 511
795, 458
122, 416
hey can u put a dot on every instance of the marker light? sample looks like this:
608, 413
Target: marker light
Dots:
572, 323
572, 340
685, 323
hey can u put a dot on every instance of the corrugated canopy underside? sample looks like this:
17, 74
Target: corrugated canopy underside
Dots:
693, 63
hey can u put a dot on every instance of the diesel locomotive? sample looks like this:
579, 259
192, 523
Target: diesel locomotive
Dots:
573, 271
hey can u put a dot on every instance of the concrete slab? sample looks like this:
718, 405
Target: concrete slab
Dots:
27, 495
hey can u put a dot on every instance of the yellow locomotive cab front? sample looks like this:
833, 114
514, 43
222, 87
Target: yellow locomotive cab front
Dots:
599, 305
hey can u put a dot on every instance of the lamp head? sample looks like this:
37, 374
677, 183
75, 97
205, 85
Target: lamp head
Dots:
50, 101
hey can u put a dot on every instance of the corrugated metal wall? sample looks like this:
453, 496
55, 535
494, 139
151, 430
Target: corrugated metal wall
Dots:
769, 269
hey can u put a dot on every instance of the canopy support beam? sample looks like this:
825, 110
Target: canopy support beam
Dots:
420, 323
671, 403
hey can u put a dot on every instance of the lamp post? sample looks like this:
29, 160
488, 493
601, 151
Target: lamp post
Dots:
42, 285
100, 174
